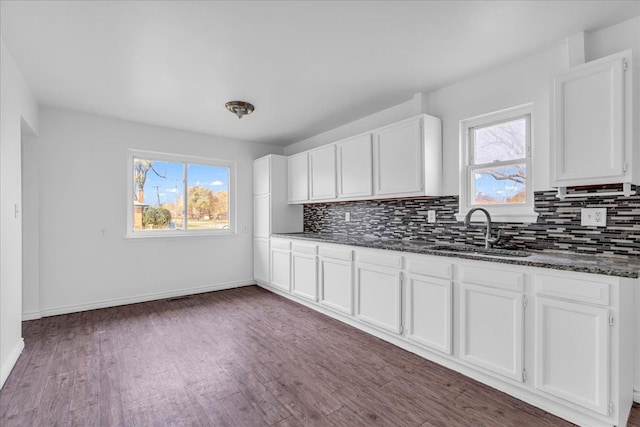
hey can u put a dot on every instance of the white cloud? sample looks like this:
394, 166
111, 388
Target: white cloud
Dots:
172, 190
217, 183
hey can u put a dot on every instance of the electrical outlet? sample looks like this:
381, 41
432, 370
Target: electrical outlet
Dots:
431, 216
593, 216
347, 216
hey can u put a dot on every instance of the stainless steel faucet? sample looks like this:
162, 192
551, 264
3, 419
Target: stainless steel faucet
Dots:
488, 241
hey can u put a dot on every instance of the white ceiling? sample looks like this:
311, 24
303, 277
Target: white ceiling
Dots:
307, 66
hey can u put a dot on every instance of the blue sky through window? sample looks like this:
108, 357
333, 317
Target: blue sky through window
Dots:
167, 188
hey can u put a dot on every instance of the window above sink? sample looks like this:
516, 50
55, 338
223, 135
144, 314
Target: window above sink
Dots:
495, 165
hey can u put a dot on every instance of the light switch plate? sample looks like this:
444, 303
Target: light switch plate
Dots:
431, 216
347, 216
596, 217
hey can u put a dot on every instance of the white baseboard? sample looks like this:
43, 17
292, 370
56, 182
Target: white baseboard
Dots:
33, 315
573, 413
8, 364
141, 298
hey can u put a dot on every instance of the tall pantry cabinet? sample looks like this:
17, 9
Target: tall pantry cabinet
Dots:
271, 211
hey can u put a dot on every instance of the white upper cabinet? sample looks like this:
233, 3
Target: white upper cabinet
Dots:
298, 173
397, 156
271, 212
407, 158
591, 138
400, 160
322, 173
262, 175
262, 215
355, 167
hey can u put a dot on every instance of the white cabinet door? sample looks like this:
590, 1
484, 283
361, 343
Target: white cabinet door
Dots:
379, 296
589, 137
355, 167
322, 172
398, 159
262, 215
572, 352
298, 177
491, 329
336, 285
281, 269
261, 260
262, 175
429, 312
304, 276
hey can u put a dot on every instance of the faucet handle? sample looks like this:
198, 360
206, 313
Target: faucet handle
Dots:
497, 239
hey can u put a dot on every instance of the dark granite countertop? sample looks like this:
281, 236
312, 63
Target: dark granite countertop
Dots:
595, 264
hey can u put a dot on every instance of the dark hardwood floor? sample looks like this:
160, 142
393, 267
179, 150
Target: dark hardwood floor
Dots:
242, 357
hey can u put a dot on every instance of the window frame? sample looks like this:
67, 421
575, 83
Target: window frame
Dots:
185, 160
517, 212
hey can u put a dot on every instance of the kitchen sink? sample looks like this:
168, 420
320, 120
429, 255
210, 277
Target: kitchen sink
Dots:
478, 250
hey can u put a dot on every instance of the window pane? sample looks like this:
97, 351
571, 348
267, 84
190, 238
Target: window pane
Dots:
157, 195
500, 142
207, 197
499, 185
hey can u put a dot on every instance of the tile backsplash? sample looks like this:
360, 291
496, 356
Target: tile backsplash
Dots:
557, 228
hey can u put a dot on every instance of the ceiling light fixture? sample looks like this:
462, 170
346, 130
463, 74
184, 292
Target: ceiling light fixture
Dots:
239, 108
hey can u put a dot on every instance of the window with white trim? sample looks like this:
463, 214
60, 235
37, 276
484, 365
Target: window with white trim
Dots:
495, 165
174, 195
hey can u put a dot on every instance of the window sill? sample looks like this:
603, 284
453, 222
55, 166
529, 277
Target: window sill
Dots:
517, 216
177, 234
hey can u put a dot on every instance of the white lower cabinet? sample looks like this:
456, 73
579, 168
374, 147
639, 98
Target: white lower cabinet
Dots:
492, 320
573, 341
379, 293
336, 279
429, 312
304, 271
281, 265
261, 254
429, 304
491, 329
571, 332
572, 360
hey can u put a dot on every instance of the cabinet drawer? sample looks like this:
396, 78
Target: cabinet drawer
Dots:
573, 288
429, 267
381, 259
304, 248
509, 280
335, 253
280, 244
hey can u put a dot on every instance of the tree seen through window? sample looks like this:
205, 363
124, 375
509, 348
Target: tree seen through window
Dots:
159, 196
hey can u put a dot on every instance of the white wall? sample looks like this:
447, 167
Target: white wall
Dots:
31, 230
526, 80
606, 42
407, 109
18, 115
517, 83
82, 164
